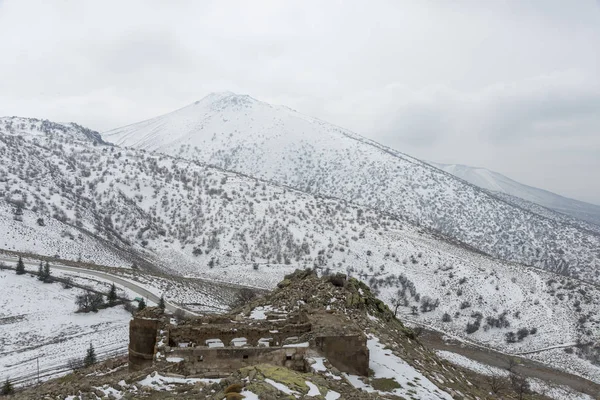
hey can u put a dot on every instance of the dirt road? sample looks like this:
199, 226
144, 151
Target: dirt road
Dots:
526, 367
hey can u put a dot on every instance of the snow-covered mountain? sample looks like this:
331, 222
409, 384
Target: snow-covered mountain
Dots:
496, 182
115, 206
278, 144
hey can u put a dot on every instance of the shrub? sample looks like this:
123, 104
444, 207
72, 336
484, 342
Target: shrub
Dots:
67, 283
510, 337
234, 388
7, 388
472, 327
89, 301
385, 384
446, 317
428, 304
522, 334
129, 307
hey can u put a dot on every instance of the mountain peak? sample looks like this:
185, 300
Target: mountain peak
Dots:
226, 99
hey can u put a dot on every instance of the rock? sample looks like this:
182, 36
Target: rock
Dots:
252, 375
284, 283
338, 279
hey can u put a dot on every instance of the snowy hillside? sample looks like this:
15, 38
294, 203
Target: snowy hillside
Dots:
496, 182
200, 221
43, 324
275, 143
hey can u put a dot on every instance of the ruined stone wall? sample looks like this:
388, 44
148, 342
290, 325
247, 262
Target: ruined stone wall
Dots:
215, 362
142, 340
226, 333
347, 353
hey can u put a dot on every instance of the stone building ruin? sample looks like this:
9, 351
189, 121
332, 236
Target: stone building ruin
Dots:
217, 345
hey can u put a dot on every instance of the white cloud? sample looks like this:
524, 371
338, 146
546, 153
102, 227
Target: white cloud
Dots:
505, 85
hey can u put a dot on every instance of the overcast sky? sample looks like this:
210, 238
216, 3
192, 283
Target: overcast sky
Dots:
513, 86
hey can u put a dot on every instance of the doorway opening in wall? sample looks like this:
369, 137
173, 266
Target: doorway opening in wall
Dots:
245, 356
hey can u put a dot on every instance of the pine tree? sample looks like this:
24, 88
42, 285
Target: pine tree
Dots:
161, 303
90, 357
141, 305
112, 295
7, 388
41, 272
47, 272
20, 266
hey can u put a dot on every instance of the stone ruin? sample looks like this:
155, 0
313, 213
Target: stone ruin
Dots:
217, 345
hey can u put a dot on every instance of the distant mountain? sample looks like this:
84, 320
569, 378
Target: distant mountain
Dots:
275, 143
496, 182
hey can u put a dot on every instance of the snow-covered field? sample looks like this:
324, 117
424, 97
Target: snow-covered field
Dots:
39, 323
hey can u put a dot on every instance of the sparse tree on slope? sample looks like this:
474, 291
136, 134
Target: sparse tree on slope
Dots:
161, 303
396, 303
20, 266
88, 301
41, 272
7, 388
520, 385
90, 357
112, 295
141, 305
47, 277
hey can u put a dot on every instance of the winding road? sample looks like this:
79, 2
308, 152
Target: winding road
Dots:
142, 292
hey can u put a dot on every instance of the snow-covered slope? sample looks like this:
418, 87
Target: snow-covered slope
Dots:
200, 221
496, 182
278, 144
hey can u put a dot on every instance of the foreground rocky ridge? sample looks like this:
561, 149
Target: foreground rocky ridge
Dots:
432, 378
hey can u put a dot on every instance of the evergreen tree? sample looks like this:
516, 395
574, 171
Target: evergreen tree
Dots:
141, 305
20, 266
112, 295
90, 357
41, 272
7, 388
161, 303
47, 272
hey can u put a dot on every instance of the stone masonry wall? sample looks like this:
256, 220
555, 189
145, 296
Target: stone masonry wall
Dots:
226, 333
215, 362
142, 340
347, 353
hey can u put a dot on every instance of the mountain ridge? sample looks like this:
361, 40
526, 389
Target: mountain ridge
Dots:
277, 144
498, 183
